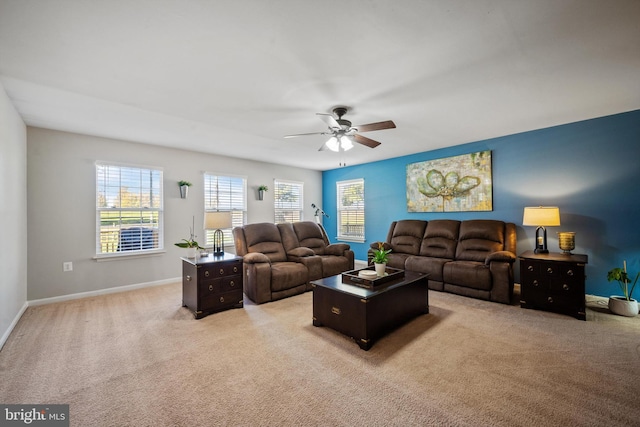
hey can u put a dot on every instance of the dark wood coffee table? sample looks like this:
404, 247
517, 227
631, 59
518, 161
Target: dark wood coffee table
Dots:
367, 314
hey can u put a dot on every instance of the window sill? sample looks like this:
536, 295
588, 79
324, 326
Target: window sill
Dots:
120, 255
351, 239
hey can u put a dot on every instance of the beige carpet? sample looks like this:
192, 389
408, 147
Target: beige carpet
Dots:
140, 359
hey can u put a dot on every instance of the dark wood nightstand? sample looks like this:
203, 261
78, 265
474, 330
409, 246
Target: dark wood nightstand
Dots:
553, 282
212, 283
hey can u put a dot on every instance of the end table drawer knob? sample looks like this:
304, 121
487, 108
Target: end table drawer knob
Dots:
335, 310
530, 268
570, 273
550, 300
549, 270
535, 283
232, 283
235, 268
188, 278
206, 273
221, 271
221, 299
210, 287
565, 287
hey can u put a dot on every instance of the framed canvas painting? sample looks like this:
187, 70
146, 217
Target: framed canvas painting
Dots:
452, 184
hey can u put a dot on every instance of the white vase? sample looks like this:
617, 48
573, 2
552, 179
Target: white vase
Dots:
191, 252
620, 305
380, 268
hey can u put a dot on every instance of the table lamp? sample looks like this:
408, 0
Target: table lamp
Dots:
217, 221
541, 217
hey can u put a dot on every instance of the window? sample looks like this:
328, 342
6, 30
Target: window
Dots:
288, 201
128, 209
225, 193
350, 210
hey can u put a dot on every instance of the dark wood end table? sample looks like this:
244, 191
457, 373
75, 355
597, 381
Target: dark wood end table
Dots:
212, 283
553, 282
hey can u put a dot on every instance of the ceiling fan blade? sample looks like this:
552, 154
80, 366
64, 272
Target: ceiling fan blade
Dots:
366, 141
304, 134
329, 120
376, 126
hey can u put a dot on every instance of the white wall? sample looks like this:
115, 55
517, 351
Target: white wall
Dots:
13, 216
61, 208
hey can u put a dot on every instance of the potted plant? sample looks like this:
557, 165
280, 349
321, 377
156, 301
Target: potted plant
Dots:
623, 305
261, 191
380, 259
190, 244
184, 188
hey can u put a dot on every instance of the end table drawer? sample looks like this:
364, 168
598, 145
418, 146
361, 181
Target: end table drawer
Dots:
217, 286
220, 301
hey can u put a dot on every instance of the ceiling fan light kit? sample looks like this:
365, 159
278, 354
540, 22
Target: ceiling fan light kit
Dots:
343, 134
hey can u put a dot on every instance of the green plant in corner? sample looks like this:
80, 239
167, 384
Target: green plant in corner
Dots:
620, 275
380, 255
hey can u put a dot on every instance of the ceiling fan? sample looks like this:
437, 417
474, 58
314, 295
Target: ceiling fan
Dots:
343, 134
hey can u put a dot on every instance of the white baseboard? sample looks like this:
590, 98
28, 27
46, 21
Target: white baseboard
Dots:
13, 324
79, 295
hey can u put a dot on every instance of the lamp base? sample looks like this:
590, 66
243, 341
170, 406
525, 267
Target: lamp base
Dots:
218, 242
541, 241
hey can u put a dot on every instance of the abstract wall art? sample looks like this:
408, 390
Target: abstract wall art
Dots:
452, 184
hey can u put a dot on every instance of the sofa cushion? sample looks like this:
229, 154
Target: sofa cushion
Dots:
406, 236
440, 239
265, 238
478, 238
309, 235
285, 275
397, 260
333, 265
470, 274
429, 265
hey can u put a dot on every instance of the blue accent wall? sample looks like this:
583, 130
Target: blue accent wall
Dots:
589, 169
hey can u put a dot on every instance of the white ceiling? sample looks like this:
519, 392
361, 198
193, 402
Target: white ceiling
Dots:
233, 77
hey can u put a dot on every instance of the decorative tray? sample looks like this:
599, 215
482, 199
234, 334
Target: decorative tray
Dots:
364, 279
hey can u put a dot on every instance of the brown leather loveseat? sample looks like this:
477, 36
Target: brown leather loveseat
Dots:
473, 258
279, 260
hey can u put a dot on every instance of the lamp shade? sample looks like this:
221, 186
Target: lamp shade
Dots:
546, 216
217, 220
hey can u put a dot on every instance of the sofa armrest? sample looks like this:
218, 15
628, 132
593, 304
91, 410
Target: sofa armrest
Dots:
386, 246
255, 257
299, 254
337, 249
500, 256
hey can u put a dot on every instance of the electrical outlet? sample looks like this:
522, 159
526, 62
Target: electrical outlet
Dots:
67, 266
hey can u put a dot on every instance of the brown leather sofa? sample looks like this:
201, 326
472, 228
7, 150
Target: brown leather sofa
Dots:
279, 260
473, 258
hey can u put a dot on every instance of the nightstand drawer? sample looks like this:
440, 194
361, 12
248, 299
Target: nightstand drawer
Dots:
220, 301
224, 284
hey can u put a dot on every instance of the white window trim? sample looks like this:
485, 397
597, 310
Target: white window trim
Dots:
228, 237
288, 181
113, 256
338, 204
